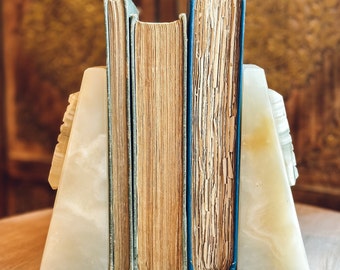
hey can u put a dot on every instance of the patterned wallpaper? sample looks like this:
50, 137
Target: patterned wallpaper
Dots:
48, 44
298, 45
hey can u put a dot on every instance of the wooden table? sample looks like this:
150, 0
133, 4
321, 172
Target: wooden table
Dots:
22, 240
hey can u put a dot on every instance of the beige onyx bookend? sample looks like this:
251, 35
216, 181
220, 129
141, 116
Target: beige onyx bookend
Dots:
78, 233
269, 234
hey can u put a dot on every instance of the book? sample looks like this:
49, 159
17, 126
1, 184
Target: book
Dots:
215, 49
117, 13
159, 146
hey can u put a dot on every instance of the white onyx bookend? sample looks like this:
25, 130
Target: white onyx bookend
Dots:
61, 147
78, 233
269, 233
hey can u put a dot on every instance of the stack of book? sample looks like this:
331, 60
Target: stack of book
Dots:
173, 91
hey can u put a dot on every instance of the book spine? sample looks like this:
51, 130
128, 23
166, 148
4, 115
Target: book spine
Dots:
238, 135
189, 129
183, 19
130, 12
134, 262
109, 129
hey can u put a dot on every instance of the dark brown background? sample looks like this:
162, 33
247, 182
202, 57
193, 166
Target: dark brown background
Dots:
46, 45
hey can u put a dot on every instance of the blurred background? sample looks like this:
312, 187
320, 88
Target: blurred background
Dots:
46, 45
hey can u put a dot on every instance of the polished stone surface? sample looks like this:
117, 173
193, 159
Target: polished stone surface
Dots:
78, 233
269, 233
